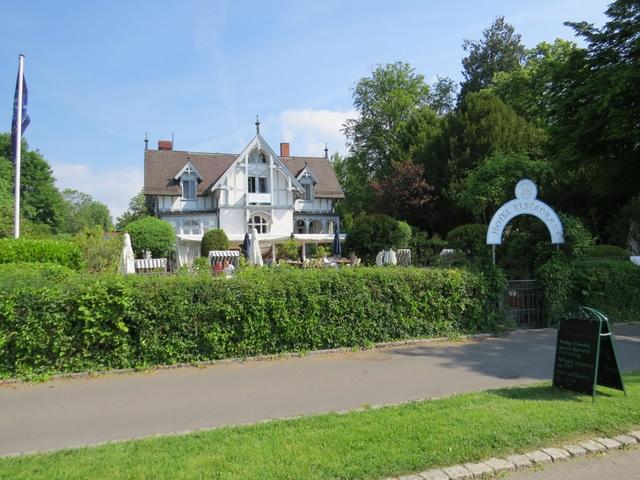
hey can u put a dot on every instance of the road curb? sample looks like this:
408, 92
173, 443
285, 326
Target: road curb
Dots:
497, 466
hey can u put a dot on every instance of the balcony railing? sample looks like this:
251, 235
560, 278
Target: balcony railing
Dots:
261, 198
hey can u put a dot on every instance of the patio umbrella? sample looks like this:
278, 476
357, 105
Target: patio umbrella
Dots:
255, 256
127, 263
337, 248
246, 244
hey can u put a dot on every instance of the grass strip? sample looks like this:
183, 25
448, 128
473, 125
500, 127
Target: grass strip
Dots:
370, 444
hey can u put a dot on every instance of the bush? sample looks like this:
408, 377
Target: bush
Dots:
471, 239
60, 252
612, 286
371, 233
88, 322
608, 251
288, 250
101, 251
151, 234
214, 239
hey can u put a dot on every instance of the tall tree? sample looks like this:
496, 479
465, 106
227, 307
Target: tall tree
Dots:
41, 203
499, 50
84, 213
385, 101
484, 125
138, 209
442, 95
528, 90
596, 108
405, 194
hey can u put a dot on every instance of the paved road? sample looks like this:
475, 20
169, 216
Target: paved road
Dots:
621, 465
67, 413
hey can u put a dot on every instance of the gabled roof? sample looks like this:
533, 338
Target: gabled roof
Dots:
160, 167
188, 168
306, 172
327, 186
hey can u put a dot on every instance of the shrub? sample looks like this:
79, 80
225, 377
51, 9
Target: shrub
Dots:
84, 322
60, 252
101, 251
151, 234
371, 233
612, 286
288, 250
214, 239
471, 239
607, 251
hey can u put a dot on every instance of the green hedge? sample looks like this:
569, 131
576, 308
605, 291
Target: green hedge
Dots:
61, 252
83, 322
612, 286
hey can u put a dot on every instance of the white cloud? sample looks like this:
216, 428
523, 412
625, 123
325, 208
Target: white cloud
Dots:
308, 130
112, 187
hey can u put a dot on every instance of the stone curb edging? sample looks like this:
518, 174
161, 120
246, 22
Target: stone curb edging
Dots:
490, 468
273, 356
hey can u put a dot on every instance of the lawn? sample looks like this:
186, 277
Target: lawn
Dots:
369, 444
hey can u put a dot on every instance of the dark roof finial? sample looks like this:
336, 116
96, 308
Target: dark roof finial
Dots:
146, 141
257, 125
326, 151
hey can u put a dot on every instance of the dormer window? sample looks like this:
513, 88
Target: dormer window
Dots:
188, 188
188, 177
307, 192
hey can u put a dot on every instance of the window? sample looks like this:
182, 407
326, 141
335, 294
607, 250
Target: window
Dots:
191, 227
188, 189
262, 184
301, 226
252, 184
263, 158
260, 223
307, 191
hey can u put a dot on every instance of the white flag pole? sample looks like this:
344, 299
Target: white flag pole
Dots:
16, 206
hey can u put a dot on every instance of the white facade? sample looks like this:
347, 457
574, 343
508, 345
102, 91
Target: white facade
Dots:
256, 190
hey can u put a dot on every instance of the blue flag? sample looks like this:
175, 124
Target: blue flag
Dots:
25, 117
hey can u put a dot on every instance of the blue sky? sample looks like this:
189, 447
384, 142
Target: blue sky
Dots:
101, 74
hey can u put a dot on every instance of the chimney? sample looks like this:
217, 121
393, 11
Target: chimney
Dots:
165, 145
284, 150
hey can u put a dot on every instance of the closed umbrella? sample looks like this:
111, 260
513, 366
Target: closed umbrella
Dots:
337, 248
255, 256
127, 259
246, 244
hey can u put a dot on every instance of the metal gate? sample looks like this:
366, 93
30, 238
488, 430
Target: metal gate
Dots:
524, 303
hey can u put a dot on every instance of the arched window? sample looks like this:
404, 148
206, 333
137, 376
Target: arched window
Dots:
262, 157
315, 226
260, 223
301, 226
191, 227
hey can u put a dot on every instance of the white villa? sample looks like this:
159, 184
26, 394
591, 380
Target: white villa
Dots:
279, 195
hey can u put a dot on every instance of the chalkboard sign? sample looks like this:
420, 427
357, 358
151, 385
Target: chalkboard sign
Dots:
585, 354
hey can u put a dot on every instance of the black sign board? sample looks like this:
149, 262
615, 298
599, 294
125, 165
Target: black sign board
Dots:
585, 354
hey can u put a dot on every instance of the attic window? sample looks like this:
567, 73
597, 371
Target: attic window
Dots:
262, 157
188, 189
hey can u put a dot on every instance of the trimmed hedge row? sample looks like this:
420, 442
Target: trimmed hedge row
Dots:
61, 252
82, 322
609, 285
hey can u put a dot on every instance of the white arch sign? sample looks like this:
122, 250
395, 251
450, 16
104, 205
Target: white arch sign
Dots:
525, 203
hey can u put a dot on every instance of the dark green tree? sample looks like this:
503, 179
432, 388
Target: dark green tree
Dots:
499, 50
484, 125
594, 133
